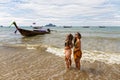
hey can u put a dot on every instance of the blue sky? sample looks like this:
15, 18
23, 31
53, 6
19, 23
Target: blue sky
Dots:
60, 12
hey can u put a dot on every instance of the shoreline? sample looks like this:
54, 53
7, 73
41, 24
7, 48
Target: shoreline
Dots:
38, 64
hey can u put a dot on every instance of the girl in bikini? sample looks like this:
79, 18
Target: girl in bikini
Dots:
77, 50
68, 51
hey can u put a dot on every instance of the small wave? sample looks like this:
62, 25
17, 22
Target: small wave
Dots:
27, 46
31, 46
109, 58
3, 36
56, 51
101, 56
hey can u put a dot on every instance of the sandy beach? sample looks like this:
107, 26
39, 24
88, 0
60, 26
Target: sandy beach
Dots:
34, 37
19, 63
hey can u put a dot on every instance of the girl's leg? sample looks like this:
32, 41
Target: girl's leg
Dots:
67, 62
70, 61
70, 58
78, 64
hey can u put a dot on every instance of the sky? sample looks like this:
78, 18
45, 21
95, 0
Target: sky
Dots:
61, 12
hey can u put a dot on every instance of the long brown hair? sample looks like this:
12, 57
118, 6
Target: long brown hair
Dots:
79, 36
69, 40
71, 37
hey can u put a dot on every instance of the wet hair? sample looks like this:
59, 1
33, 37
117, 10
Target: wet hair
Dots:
75, 39
69, 42
79, 35
70, 37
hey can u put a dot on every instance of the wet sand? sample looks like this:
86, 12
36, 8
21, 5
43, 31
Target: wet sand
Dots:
19, 63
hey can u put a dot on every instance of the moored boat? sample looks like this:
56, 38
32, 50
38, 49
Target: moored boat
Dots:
67, 26
28, 33
86, 26
101, 26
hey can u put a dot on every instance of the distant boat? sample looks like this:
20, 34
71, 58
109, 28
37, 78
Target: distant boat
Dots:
37, 27
29, 33
86, 26
101, 26
67, 26
50, 25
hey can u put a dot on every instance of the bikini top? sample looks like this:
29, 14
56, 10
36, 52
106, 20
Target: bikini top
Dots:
76, 44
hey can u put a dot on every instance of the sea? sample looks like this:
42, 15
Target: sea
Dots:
100, 47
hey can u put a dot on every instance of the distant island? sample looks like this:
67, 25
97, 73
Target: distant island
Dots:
1, 25
50, 25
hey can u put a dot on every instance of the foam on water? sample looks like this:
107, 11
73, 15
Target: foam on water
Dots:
101, 56
3, 36
90, 55
56, 51
30, 46
27, 46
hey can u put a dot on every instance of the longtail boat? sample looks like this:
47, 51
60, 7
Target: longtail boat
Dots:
29, 33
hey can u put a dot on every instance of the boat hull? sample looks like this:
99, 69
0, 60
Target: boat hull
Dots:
29, 33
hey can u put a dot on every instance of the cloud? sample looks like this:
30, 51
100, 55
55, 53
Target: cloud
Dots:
54, 9
61, 12
4, 1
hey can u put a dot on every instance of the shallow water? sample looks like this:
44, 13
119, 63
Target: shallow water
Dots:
42, 56
93, 38
36, 64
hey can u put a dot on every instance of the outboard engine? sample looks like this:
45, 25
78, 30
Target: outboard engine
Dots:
48, 30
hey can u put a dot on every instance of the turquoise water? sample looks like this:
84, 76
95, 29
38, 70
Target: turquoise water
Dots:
93, 38
102, 44
30, 57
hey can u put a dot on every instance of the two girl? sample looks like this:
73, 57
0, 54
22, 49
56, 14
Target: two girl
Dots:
76, 51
